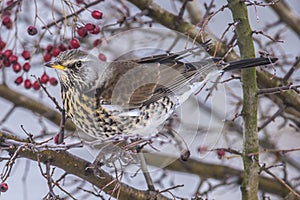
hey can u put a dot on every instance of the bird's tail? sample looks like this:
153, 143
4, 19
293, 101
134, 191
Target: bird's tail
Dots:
247, 63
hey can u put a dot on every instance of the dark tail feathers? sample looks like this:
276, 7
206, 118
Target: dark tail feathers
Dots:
249, 62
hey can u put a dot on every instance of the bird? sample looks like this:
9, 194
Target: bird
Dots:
133, 96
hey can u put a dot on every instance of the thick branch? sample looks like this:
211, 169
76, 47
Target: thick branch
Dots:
20, 100
172, 22
78, 167
250, 182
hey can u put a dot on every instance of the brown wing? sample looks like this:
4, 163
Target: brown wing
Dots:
133, 84
137, 82
129, 84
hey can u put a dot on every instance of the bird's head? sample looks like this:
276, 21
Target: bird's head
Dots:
78, 69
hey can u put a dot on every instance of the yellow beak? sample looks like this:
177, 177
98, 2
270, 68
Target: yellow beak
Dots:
55, 65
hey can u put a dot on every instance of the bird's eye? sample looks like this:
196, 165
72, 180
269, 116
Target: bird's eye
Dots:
78, 64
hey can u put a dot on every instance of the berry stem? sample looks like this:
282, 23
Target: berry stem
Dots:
49, 95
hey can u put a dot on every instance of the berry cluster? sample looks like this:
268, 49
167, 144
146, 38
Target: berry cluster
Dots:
44, 79
20, 63
9, 59
53, 51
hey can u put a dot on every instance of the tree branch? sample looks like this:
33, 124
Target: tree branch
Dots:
286, 15
243, 31
77, 166
20, 100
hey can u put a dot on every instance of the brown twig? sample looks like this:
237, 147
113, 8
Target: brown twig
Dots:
278, 89
72, 14
294, 67
182, 9
9, 164
48, 176
171, 188
279, 112
263, 168
53, 99
281, 151
267, 36
6, 116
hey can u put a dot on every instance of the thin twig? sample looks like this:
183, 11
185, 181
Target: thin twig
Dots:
267, 36
30, 136
281, 151
292, 69
279, 112
278, 89
182, 9
61, 133
49, 179
281, 181
6, 116
48, 94
72, 14
146, 172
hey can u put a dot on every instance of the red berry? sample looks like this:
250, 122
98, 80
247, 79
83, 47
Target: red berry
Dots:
53, 81
97, 14
6, 62
90, 27
6, 21
36, 85
79, 1
96, 30
82, 32
62, 47
3, 187
49, 48
2, 44
55, 51
26, 66
44, 78
17, 67
19, 80
56, 138
7, 53
102, 57
26, 55
220, 153
27, 84
97, 42
31, 30
74, 43
13, 58
47, 57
